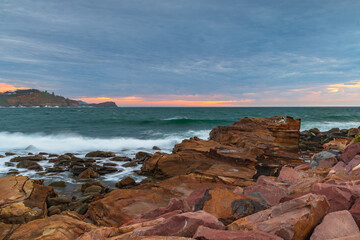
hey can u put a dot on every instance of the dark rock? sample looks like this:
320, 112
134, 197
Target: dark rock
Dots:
58, 184
323, 155
88, 173
109, 164
31, 158
57, 201
93, 189
121, 159
9, 164
100, 154
143, 156
155, 148
130, 164
10, 154
86, 185
29, 165
76, 170
128, 181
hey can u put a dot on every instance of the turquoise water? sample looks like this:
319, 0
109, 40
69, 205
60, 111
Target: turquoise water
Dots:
85, 129
126, 131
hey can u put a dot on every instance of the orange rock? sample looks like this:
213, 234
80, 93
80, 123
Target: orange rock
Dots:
337, 144
22, 199
294, 219
57, 227
89, 173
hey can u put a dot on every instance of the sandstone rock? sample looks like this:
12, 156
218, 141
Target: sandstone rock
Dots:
350, 152
121, 206
228, 206
128, 181
340, 166
100, 154
294, 219
353, 163
88, 173
181, 225
327, 162
57, 201
337, 144
335, 225
205, 233
22, 199
57, 227
130, 164
31, 158
355, 211
270, 190
290, 175
323, 155
339, 198
86, 185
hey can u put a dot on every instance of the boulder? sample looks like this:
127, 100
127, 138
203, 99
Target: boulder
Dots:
128, 181
339, 197
228, 206
100, 154
323, 155
61, 184
350, 152
355, 211
57, 227
181, 225
327, 162
88, 173
270, 190
205, 233
294, 219
352, 164
86, 185
337, 144
335, 225
28, 164
30, 158
93, 189
121, 159
22, 199
290, 175
143, 156
338, 167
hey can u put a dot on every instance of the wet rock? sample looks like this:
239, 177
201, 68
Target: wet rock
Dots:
100, 154
350, 152
28, 164
106, 170
205, 233
128, 181
86, 185
143, 156
53, 155
294, 219
335, 225
56, 227
155, 148
182, 225
93, 189
9, 164
10, 154
76, 170
89, 173
130, 164
31, 158
61, 184
2, 156
109, 164
13, 172
121, 159
22, 199
57, 201
323, 155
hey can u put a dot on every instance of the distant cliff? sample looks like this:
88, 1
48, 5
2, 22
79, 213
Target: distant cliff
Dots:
37, 98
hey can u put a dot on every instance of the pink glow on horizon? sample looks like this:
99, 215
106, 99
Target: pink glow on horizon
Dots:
4, 87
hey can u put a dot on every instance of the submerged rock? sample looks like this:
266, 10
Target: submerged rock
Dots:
100, 154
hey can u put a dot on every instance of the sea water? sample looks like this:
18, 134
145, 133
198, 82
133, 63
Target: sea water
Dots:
126, 131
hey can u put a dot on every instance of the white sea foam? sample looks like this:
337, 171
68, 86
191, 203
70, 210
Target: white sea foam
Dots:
175, 118
325, 126
60, 143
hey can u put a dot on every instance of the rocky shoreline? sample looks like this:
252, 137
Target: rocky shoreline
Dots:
260, 178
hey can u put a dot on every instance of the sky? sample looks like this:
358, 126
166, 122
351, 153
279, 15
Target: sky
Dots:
184, 52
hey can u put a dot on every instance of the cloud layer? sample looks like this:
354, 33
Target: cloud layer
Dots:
232, 53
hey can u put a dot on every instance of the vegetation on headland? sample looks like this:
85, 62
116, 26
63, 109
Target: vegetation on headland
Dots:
37, 98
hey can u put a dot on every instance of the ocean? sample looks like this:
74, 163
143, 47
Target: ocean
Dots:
126, 131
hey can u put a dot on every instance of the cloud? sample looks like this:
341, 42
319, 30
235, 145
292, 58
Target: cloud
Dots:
4, 87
